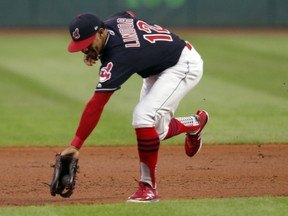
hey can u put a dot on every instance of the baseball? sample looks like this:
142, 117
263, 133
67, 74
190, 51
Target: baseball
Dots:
66, 181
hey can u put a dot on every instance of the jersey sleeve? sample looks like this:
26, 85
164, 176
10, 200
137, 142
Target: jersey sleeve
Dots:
90, 117
131, 13
112, 75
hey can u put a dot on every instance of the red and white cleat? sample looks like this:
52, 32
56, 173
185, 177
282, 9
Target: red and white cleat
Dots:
193, 140
144, 194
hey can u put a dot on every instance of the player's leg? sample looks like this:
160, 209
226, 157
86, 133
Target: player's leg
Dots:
189, 71
192, 125
148, 145
160, 97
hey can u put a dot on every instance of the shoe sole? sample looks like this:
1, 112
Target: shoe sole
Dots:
143, 201
207, 119
200, 146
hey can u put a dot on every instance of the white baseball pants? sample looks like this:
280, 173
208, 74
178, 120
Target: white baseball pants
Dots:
161, 94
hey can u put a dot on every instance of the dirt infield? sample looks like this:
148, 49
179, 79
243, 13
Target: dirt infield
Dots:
107, 174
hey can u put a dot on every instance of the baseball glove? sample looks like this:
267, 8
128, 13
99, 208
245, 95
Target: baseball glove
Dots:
64, 177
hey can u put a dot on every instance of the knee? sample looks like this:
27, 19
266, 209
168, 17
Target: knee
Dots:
142, 118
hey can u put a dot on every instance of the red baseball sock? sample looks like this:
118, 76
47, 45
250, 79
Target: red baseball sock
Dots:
177, 127
148, 146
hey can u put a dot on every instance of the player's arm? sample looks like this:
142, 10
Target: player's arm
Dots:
90, 117
88, 121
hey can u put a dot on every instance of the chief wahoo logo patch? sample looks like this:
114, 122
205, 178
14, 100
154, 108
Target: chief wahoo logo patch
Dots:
105, 72
76, 34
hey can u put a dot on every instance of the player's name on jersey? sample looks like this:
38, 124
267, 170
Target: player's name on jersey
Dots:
128, 32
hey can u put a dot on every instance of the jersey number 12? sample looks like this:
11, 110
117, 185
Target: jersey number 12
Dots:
160, 35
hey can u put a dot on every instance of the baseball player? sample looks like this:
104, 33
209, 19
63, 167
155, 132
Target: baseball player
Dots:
170, 68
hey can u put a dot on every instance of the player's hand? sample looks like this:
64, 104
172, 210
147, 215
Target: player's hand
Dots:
89, 61
71, 151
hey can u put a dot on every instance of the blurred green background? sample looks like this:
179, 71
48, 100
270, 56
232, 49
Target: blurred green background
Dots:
180, 13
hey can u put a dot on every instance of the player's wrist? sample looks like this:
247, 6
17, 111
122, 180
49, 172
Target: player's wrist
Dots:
77, 142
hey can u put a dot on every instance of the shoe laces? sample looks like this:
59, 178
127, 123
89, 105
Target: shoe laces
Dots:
141, 189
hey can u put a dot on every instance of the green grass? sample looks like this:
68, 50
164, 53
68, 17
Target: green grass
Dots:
267, 206
43, 90
246, 87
